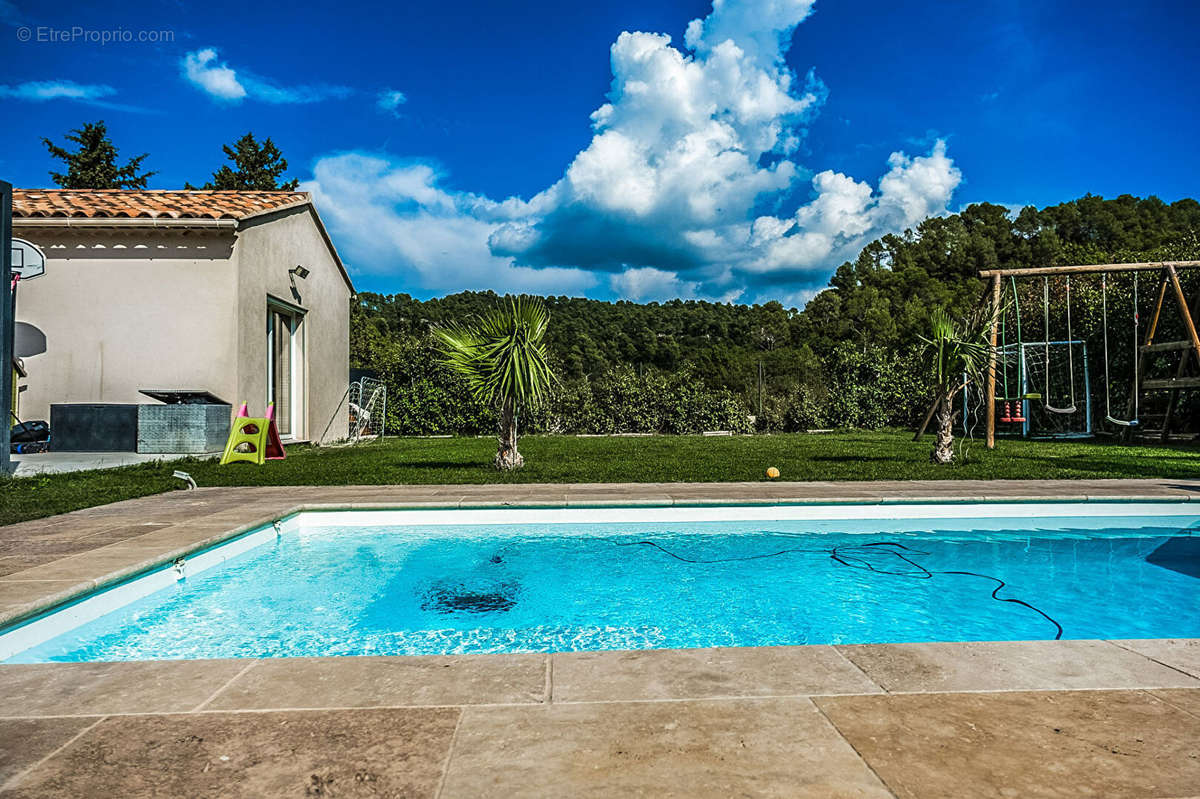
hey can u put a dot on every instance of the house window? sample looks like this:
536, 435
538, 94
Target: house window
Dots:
285, 367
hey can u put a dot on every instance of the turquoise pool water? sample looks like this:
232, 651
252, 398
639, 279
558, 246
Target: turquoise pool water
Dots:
534, 588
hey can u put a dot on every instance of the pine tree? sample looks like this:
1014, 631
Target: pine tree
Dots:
257, 167
94, 164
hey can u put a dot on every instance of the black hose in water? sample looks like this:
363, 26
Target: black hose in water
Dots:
857, 556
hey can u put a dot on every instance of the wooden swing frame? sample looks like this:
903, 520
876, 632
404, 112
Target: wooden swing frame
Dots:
1170, 276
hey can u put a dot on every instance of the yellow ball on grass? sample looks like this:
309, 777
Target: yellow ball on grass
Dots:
772, 472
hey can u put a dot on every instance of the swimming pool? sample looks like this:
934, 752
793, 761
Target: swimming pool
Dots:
535, 580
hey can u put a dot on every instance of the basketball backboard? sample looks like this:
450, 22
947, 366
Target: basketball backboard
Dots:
28, 261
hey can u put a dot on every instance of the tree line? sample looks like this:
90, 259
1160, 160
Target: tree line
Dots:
849, 358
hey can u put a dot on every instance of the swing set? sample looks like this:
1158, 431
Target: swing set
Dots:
1014, 405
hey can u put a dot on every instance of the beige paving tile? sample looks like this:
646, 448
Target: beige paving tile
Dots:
761, 748
1179, 653
705, 673
108, 561
69, 689
1102, 744
182, 537
32, 527
23, 742
123, 532
143, 509
52, 547
386, 682
495, 498
384, 494
1186, 699
55, 528
16, 594
1010, 666
618, 499
151, 511
11, 564
395, 504
254, 513
363, 753
632, 489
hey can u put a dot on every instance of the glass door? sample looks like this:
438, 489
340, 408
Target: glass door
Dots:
281, 366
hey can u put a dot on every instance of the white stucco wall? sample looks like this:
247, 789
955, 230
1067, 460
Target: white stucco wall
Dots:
126, 310
145, 308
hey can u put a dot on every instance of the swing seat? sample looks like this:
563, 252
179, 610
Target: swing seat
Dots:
1121, 422
1064, 411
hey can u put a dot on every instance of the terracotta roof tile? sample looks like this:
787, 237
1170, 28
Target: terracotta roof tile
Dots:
150, 204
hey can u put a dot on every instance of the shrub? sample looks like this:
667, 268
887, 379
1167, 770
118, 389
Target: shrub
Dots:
875, 388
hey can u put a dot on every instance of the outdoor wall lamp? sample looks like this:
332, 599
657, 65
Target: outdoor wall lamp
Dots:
299, 272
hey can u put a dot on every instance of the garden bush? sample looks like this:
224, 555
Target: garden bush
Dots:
866, 390
426, 398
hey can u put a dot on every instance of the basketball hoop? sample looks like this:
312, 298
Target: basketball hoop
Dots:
28, 260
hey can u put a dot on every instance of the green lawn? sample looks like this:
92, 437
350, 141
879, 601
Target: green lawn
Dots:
566, 459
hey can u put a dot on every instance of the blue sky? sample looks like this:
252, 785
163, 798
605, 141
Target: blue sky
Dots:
571, 148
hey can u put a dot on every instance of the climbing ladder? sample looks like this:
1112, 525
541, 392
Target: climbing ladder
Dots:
1184, 378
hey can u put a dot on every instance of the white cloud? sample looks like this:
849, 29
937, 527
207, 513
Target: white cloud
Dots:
686, 145
203, 69
392, 217
390, 100
668, 197
846, 214
648, 283
42, 90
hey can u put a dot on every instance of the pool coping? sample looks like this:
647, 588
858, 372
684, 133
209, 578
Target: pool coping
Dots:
60, 582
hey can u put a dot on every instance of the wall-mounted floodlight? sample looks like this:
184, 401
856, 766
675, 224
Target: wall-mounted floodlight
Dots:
299, 272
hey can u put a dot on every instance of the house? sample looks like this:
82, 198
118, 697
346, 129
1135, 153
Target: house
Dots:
238, 294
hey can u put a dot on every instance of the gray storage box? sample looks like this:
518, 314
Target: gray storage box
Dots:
194, 423
93, 427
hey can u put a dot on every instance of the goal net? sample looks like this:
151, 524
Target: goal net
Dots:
368, 408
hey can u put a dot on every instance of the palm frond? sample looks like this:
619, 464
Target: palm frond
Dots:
502, 353
961, 347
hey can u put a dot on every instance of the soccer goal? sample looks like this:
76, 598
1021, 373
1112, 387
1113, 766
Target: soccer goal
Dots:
368, 408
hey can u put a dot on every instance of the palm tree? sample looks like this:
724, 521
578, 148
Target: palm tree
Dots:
502, 356
956, 351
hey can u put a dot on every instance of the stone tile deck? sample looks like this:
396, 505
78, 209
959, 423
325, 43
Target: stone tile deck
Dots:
1040, 719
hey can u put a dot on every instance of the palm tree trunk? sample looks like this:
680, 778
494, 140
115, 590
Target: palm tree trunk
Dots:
943, 447
507, 457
